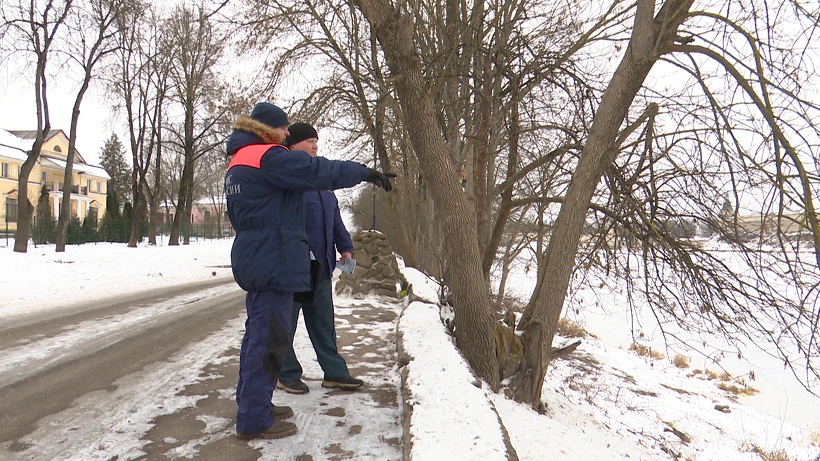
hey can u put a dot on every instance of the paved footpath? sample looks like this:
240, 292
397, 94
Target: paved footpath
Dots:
333, 424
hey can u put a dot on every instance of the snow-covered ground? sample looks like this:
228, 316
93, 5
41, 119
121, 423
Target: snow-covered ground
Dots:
603, 402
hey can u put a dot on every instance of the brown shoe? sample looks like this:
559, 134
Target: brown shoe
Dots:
281, 412
278, 430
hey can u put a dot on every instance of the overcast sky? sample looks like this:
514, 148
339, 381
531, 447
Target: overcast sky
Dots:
17, 112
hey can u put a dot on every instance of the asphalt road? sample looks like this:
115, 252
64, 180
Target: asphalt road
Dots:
50, 382
74, 382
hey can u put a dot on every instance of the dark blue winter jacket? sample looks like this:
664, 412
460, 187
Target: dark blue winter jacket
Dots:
325, 230
265, 205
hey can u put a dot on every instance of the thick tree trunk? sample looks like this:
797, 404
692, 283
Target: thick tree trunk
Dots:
153, 219
474, 322
65, 202
182, 217
482, 153
68, 180
136, 217
173, 237
189, 202
25, 210
650, 37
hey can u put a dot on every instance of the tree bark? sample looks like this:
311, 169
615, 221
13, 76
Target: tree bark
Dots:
482, 152
25, 210
182, 217
136, 215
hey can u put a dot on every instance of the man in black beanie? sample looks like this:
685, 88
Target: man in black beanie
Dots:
303, 137
326, 234
270, 258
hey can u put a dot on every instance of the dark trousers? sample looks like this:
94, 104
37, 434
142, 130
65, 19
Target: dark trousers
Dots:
264, 347
321, 327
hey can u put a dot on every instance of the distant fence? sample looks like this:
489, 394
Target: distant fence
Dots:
80, 235
205, 231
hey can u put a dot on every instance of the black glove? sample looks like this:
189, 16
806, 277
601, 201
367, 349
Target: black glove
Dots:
380, 179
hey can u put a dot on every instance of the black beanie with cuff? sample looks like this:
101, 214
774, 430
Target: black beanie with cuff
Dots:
299, 132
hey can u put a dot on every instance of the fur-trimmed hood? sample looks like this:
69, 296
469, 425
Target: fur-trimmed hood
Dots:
264, 132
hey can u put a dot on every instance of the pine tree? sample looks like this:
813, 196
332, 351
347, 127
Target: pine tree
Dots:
45, 226
112, 159
111, 224
127, 211
88, 231
124, 223
112, 205
73, 231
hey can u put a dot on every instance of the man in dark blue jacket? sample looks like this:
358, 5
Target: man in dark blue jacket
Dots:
264, 185
326, 233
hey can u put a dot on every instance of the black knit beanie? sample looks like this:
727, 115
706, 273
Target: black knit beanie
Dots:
270, 115
299, 132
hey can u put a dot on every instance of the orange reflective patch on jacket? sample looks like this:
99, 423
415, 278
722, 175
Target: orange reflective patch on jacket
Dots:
251, 155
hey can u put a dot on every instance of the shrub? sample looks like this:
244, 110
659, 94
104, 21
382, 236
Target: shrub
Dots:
736, 389
570, 329
778, 455
680, 361
645, 351
814, 437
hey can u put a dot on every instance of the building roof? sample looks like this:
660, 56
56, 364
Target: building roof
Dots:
78, 167
13, 147
31, 135
27, 134
16, 144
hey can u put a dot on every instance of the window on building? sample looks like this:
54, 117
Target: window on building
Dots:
207, 215
19, 169
93, 212
57, 149
43, 177
11, 209
99, 187
4, 172
87, 186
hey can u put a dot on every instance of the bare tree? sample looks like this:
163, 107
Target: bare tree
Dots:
195, 47
91, 37
140, 79
474, 320
32, 27
615, 132
579, 130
